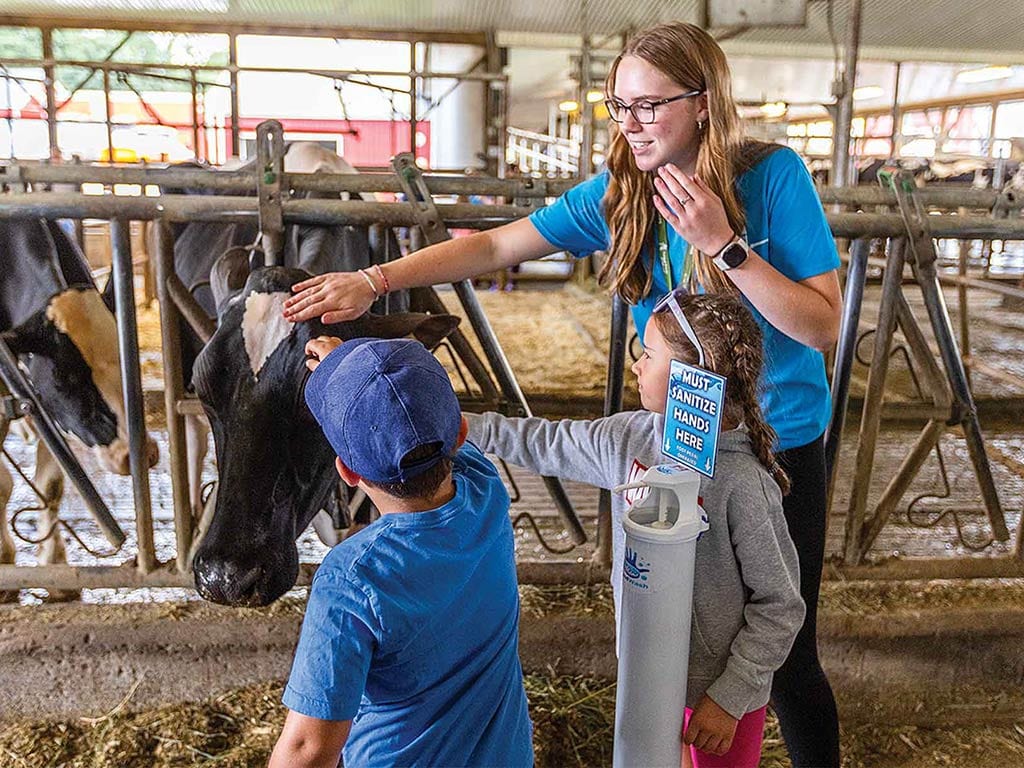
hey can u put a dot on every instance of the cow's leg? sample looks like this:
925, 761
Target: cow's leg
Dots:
325, 530
7, 550
49, 479
196, 447
363, 511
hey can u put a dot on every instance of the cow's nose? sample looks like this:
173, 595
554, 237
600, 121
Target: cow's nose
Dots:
226, 582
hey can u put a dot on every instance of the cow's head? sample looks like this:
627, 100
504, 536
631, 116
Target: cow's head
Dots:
71, 350
275, 468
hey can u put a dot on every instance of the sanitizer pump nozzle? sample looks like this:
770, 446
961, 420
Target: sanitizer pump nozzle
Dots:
654, 617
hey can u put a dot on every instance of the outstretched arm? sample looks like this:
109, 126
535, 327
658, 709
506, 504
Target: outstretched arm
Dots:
340, 296
572, 450
307, 742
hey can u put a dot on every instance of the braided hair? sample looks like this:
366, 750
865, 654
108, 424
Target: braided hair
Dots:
733, 348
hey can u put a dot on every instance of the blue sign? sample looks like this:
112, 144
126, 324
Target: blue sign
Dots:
693, 417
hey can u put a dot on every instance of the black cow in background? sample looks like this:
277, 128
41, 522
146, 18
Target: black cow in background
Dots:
53, 318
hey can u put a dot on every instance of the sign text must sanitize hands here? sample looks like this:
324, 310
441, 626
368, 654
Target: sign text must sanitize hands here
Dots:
693, 417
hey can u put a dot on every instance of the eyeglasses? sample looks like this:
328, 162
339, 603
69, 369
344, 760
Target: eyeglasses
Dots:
642, 111
670, 301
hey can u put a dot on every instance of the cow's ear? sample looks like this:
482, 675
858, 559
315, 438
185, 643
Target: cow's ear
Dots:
27, 337
228, 275
109, 300
432, 328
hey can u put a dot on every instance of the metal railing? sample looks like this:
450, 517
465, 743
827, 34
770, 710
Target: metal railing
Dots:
540, 153
1006, 225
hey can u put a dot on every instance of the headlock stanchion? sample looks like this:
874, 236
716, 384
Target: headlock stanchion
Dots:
434, 231
952, 401
653, 627
28, 405
853, 299
270, 162
237, 203
131, 389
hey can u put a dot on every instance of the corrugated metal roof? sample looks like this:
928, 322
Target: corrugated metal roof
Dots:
979, 30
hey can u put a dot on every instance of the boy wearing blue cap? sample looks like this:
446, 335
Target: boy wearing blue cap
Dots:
408, 653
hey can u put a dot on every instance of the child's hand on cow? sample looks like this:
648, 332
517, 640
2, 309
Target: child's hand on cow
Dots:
319, 348
711, 728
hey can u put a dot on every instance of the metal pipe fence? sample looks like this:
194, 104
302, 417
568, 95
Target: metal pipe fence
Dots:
401, 214
381, 214
241, 181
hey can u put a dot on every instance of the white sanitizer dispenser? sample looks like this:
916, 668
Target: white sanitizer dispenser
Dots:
654, 617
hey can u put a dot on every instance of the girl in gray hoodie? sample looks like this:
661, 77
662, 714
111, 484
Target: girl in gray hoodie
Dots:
747, 607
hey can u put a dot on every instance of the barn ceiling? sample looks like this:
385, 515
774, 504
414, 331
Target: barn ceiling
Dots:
950, 30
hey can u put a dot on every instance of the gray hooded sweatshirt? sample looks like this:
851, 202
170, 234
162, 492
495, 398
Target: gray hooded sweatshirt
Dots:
747, 607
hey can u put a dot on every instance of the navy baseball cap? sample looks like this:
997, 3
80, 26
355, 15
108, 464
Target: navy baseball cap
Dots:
379, 399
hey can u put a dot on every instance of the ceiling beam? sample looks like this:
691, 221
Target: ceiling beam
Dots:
223, 26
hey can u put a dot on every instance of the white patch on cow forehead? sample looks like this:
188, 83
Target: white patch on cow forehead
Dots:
264, 327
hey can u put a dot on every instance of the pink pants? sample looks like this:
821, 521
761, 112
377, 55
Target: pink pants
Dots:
745, 751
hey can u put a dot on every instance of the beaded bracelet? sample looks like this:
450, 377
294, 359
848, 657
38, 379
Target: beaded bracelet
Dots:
383, 278
369, 281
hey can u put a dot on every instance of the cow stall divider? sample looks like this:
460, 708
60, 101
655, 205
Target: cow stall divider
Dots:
379, 217
22, 400
434, 231
175, 300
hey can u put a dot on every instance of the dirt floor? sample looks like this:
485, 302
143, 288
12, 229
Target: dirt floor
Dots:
926, 674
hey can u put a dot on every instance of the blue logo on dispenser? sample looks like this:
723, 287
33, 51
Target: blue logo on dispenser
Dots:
635, 569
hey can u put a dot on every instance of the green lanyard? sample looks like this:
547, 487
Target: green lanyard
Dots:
666, 262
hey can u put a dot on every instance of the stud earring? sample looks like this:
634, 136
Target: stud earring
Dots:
700, 125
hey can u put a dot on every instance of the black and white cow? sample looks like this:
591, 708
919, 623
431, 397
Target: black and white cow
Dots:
198, 245
53, 318
275, 468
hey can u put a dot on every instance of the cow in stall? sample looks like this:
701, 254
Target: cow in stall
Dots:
275, 470
53, 318
316, 249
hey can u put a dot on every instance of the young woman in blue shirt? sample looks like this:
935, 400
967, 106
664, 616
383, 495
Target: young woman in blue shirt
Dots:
687, 200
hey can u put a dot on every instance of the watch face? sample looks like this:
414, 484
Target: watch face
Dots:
734, 255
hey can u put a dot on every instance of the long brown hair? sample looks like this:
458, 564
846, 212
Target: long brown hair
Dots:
692, 58
732, 344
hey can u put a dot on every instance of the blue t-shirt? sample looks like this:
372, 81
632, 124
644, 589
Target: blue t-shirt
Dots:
786, 226
412, 632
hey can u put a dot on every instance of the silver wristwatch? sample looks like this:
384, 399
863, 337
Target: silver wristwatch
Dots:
733, 255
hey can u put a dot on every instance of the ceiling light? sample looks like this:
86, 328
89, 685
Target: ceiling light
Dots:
569, 105
984, 74
594, 96
867, 92
773, 109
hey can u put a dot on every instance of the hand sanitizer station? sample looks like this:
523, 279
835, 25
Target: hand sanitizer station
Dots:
654, 621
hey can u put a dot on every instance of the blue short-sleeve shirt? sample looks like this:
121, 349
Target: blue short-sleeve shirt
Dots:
412, 632
786, 226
